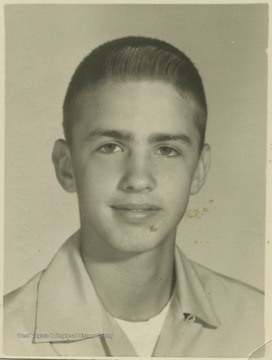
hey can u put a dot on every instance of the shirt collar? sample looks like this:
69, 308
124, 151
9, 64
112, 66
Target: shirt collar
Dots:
67, 302
191, 292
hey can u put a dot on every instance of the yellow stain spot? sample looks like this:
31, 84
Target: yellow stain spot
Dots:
195, 213
152, 228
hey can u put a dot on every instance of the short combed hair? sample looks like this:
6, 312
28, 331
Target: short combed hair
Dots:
136, 58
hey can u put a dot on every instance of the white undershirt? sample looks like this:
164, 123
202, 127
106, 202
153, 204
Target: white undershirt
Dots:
143, 335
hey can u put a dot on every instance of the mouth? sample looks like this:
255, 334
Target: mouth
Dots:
135, 213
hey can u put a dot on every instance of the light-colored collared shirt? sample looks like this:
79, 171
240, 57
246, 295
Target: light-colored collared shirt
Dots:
58, 313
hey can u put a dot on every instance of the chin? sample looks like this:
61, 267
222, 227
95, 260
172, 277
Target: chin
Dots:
137, 244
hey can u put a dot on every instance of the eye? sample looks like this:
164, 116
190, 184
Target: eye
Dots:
167, 151
110, 148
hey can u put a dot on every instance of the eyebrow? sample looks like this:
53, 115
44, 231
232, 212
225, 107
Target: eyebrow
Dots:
128, 136
119, 135
170, 137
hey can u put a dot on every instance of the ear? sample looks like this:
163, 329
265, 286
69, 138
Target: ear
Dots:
202, 169
61, 157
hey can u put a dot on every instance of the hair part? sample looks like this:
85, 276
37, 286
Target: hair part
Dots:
136, 58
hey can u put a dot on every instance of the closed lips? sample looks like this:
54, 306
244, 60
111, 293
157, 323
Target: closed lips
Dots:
136, 207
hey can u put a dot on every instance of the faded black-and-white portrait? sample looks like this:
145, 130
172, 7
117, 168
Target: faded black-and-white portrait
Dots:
135, 180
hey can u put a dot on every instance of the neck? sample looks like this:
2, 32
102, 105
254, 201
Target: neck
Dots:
131, 286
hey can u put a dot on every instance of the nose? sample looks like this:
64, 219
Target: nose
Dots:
138, 174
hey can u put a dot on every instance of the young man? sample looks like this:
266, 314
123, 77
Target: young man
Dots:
134, 121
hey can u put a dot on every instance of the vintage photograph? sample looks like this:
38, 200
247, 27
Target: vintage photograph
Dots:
135, 180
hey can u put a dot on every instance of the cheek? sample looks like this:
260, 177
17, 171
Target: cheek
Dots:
176, 180
176, 194
95, 179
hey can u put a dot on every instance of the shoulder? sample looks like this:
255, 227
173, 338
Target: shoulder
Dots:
19, 325
222, 285
20, 307
235, 303
23, 295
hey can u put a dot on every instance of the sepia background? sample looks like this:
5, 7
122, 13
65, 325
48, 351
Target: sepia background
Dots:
224, 225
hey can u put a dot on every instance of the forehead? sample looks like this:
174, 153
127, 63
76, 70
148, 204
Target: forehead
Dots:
134, 105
